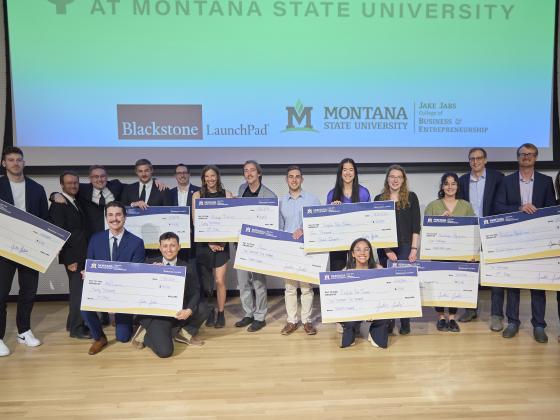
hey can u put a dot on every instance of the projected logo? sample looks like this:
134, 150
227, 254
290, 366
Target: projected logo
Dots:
60, 5
160, 122
299, 118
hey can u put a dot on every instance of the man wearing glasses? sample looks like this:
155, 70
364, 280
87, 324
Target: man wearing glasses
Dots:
479, 187
525, 190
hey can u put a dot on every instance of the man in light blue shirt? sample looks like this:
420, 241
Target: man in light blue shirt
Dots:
291, 220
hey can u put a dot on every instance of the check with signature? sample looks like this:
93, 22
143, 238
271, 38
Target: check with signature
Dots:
450, 238
543, 274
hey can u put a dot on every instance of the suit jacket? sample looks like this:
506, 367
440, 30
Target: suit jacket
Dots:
493, 181
131, 248
131, 194
508, 197
174, 195
73, 220
95, 214
35, 197
264, 192
191, 296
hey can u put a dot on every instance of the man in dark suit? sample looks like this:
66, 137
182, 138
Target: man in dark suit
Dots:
113, 244
525, 190
144, 192
158, 332
27, 195
70, 217
479, 187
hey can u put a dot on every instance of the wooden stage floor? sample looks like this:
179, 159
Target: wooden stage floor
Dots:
263, 375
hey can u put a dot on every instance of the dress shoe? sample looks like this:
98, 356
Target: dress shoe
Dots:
244, 322
138, 338
468, 315
4, 350
510, 331
256, 326
28, 339
442, 325
405, 327
496, 323
220, 320
289, 328
211, 321
97, 345
540, 335
309, 328
453, 326
184, 337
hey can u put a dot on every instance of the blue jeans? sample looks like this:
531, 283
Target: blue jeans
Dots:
123, 330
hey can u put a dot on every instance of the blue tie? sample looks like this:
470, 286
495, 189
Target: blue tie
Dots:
115, 248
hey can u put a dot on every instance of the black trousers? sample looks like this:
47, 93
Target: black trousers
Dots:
28, 280
160, 330
74, 321
538, 305
497, 295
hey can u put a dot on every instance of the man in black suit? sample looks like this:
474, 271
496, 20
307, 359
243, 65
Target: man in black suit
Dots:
144, 193
479, 187
70, 217
27, 195
525, 190
157, 332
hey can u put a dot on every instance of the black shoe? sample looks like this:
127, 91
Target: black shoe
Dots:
468, 315
510, 331
453, 326
247, 320
540, 335
80, 334
442, 325
211, 321
220, 320
391, 327
256, 325
404, 329
105, 320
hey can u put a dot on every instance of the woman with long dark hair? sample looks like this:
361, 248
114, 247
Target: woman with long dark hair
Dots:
448, 204
212, 258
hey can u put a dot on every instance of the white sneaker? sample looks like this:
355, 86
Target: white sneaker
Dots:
4, 350
28, 339
372, 341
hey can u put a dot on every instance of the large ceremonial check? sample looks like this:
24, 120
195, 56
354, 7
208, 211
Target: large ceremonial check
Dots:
132, 288
543, 274
220, 219
449, 284
335, 227
28, 239
356, 295
149, 224
450, 238
521, 236
276, 253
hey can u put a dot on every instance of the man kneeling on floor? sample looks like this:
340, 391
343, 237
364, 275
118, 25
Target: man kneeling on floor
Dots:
158, 332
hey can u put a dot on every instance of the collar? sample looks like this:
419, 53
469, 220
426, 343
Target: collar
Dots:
186, 190
527, 180
119, 236
68, 197
172, 262
301, 195
147, 184
483, 176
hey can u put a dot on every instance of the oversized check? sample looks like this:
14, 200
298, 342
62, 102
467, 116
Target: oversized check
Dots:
450, 239
276, 253
449, 284
132, 288
149, 224
356, 295
520, 236
28, 239
543, 274
220, 219
335, 227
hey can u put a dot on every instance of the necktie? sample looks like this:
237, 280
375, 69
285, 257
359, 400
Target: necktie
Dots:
168, 264
77, 207
101, 199
115, 248
143, 193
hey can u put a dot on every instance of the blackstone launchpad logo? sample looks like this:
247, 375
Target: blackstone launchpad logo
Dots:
60, 5
299, 118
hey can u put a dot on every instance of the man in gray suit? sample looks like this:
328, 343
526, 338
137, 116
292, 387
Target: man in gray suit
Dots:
255, 307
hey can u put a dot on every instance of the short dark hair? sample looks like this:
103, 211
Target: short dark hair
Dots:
444, 177
528, 146
168, 235
141, 162
184, 166
63, 174
11, 150
94, 167
474, 149
293, 168
115, 204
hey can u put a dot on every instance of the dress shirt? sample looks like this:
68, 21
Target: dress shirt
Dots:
526, 188
172, 262
182, 196
476, 193
291, 218
71, 199
107, 195
149, 186
18, 192
119, 237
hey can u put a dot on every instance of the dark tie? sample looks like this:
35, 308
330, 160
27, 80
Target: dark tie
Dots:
115, 249
143, 193
101, 199
168, 264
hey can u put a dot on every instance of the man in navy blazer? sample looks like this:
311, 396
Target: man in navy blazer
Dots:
525, 190
479, 187
113, 244
27, 195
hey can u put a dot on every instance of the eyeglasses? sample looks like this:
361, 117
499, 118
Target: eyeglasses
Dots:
476, 158
526, 155
396, 177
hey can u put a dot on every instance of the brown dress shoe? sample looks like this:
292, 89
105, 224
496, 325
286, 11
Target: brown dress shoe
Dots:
97, 345
289, 328
309, 328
